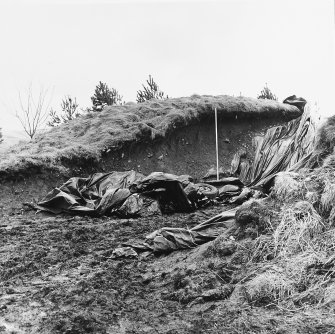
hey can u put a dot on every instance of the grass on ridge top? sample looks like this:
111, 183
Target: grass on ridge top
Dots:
88, 136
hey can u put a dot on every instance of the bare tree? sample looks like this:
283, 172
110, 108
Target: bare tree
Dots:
33, 113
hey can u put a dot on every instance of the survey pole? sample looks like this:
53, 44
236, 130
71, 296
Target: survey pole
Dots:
217, 144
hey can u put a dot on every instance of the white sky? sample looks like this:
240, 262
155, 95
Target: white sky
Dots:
203, 47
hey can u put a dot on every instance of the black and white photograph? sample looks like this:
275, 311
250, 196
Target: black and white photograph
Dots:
167, 166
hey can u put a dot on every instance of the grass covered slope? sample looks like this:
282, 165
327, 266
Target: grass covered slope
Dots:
88, 137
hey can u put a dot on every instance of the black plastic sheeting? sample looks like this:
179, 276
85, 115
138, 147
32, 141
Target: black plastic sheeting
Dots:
127, 194
293, 100
93, 195
168, 239
283, 148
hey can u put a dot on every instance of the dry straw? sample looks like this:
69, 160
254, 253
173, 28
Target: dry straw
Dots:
297, 228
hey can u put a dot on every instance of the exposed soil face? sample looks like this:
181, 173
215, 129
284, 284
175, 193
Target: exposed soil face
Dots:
190, 150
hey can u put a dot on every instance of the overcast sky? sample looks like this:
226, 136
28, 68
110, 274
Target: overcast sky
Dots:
203, 47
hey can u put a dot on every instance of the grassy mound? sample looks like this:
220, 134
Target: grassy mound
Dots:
91, 136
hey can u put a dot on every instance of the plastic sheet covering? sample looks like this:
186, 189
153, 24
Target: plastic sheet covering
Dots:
172, 185
127, 194
283, 148
97, 194
168, 239
139, 205
293, 100
241, 166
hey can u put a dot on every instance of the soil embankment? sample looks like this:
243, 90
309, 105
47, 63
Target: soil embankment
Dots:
190, 150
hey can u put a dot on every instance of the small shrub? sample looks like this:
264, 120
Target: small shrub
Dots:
104, 96
267, 94
1, 139
69, 112
151, 91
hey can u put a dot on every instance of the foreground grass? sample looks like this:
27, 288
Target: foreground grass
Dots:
91, 136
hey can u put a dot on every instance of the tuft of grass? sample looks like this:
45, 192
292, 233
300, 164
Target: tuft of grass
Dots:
326, 136
269, 287
329, 296
328, 196
298, 226
262, 249
287, 186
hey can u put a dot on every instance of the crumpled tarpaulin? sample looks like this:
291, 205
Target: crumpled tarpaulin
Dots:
127, 194
94, 194
168, 239
282, 148
293, 100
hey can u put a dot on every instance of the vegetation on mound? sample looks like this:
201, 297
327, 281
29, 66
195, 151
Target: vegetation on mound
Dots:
105, 96
69, 112
267, 94
88, 137
299, 273
149, 92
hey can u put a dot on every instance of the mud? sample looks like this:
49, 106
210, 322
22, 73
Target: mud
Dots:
57, 276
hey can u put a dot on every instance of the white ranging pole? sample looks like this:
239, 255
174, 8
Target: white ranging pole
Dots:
217, 144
